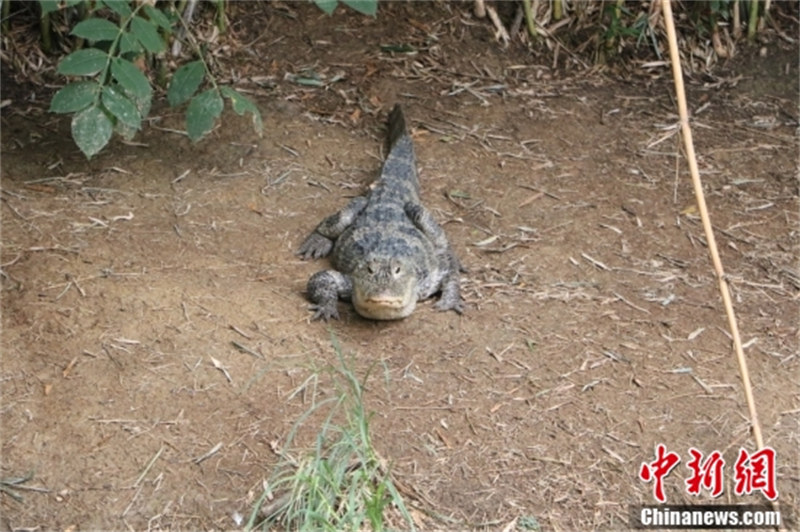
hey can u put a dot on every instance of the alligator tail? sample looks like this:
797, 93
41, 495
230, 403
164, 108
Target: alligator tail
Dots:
398, 131
400, 161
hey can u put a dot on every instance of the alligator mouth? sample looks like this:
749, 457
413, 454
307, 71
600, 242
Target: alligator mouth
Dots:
384, 307
385, 301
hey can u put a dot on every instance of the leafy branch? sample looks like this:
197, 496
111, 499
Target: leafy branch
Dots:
115, 95
365, 7
206, 107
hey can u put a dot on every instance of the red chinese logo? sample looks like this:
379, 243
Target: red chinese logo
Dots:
706, 474
752, 472
658, 469
756, 472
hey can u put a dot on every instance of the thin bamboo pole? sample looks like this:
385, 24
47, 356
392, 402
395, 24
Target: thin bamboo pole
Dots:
752, 24
530, 12
686, 132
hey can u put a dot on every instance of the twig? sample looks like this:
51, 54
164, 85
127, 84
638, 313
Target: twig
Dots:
631, 304
187, 19
238, 330
148, 466
275, 506
209, 454
217, 364
9, 485
501, 34
596, 263
686, 131
246, 350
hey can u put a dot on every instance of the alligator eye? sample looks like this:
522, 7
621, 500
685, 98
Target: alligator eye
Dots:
397, 270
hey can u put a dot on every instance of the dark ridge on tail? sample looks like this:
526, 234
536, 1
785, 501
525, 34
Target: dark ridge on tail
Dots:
400, 168
398, 132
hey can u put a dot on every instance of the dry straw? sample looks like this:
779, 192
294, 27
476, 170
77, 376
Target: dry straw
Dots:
701, 204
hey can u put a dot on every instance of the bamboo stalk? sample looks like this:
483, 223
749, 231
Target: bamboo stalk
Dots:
47, 41
764, 15
222, 21
558, 10
526, 5
752, 23
480, 9
6, 11
686, 132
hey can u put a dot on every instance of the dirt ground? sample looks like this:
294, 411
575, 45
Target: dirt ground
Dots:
593, 327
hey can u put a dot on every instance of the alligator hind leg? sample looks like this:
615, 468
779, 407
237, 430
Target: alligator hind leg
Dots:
320, 242
426, 223
450, 285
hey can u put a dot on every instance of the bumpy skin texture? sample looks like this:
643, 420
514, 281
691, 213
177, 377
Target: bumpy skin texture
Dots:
388, 250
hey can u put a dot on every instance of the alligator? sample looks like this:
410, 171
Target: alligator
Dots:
388, 250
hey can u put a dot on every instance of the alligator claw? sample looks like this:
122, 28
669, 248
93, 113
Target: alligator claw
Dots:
315, 246
324, 312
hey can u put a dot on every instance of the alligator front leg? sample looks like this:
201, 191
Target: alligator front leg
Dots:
320, 242
325, 288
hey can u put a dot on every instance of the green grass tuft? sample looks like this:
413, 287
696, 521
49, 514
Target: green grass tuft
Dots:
339, 484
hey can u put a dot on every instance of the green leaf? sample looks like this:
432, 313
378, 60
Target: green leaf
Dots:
129, 44
91, 130
185, 82
121, 107
158, 17
241, 104
328, 6
202, 112
133, 83
131, 78
48, 6
120, 7
143, 104
125, 131
86, 62
74, 97
367, 7
147, 35
96, 29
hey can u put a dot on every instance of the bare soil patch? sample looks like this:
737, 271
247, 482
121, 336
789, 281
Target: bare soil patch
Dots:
593, 328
